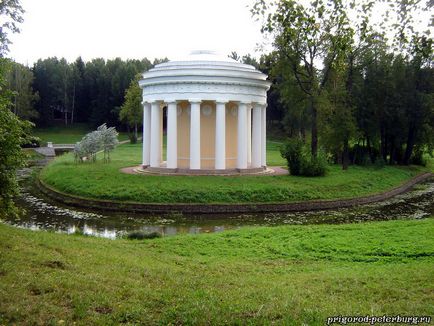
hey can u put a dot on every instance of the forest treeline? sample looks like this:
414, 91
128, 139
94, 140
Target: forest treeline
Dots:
390, 116
56, 91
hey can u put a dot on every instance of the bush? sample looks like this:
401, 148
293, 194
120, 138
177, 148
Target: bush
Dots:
300, 161
31, 142
292, 151
313, 166
417, 157
379, 162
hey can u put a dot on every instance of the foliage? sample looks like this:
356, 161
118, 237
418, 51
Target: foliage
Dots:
305, 33
346, 80
131, 111
20, 80
299, 160
103, 139
87, 91
13, 133
105, 181
292, 151
313, 166
289, 275
11, 15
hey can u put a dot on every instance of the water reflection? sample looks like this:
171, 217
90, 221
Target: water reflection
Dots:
43, 214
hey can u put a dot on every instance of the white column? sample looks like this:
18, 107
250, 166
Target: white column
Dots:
257, 137
161, 134
172, 136
195, 134
155, 155
146, 134
264, 137
220, 136
249, 135
242, 136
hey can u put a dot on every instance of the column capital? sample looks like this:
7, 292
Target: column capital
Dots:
221, 101
248, 105
259, 105
195, 100
169, 101
154, 101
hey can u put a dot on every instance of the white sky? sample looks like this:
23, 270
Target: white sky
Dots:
133, 29
138, 28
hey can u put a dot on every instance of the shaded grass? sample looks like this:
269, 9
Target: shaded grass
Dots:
288, 275
66, 134
104, 181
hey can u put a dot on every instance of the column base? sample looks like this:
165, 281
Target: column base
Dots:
179, 171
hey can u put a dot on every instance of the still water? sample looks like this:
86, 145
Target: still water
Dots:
42, 213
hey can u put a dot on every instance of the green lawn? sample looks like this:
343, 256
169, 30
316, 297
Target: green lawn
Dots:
66, 134
104, 181
289, 275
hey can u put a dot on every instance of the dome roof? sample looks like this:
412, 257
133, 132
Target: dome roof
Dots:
204, 58
204, 72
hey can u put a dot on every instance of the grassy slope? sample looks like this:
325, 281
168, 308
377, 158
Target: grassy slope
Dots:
104, 181
66, 134
287, 274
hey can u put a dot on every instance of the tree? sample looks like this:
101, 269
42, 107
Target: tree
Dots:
337, 116
20, 80
307, 35
234, 55
131, 111
13, 133
103, 139
11, 15
12, 130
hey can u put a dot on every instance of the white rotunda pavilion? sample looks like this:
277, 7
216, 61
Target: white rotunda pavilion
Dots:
216, 109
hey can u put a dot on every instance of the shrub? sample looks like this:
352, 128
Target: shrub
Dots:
31, 142
379, 162
292, 151
417, 157
313, 166
300, 161
103, 139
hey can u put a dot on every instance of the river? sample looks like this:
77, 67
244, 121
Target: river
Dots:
41, 213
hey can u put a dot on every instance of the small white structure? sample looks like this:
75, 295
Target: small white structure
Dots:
216, 110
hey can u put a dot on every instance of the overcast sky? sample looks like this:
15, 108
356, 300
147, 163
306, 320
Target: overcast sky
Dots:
138, 28
133, 28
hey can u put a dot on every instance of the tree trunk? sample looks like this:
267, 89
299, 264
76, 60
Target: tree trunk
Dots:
73, 104
135, 131
368, 145
392, 152
345, 155
314, 140
410, 145
383, 143
303, 133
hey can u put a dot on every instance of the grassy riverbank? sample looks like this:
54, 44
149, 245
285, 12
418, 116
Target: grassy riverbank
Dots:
287, 275
105, 181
